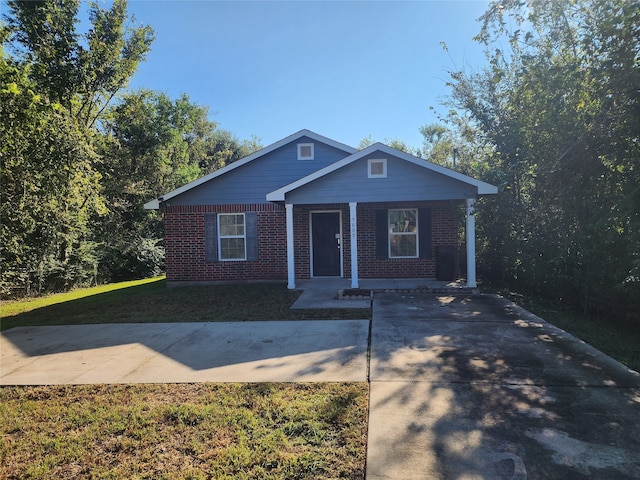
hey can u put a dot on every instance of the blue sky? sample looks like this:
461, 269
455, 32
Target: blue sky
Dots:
346, 70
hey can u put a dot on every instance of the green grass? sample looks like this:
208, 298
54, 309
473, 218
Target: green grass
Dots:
206, 430
179, 431
151, 301
234, 431
8, 308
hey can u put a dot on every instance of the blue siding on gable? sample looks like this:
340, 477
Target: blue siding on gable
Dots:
404, 182
250, 183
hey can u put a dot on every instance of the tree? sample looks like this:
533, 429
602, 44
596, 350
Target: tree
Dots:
55, 83
393, 143
83, 79
49, 190
224, 148
561, 109
152, 145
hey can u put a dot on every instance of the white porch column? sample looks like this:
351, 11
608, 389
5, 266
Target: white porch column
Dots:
291, 267
470, 233
353, 232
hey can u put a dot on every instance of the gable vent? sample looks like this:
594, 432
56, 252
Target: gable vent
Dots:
305, 151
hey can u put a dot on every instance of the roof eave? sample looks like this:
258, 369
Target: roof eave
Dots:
487, 189
152, 205
276, 196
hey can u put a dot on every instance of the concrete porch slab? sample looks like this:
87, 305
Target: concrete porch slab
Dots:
323, 292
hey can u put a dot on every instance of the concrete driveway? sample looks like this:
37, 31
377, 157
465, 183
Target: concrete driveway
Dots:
286, 351
473, 387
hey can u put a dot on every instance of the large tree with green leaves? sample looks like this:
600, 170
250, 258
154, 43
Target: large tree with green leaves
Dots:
55, 83
82, 72
560, 105
152, 145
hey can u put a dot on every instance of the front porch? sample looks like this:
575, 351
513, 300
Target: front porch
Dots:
389, 202
360, 232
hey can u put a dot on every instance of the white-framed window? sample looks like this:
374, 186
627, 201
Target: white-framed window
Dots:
305, 151
403, 233
232, 239
377, 168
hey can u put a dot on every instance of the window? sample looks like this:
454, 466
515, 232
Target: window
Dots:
377, 168
305, 151
403, 233
231, 238
384, 232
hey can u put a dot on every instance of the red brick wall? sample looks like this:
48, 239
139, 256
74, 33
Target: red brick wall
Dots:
445, 220
185, 245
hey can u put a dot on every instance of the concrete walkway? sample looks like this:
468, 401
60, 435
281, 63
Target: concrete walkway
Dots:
473, 387
283, 351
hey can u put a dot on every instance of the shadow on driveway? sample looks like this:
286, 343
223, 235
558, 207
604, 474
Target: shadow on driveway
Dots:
476, 387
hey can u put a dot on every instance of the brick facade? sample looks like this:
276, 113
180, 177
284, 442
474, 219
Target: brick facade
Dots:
446, 221
184, 228
185, 242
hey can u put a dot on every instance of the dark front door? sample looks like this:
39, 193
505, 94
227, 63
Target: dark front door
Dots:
325, 237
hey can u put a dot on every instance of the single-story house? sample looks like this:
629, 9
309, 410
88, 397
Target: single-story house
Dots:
308, 206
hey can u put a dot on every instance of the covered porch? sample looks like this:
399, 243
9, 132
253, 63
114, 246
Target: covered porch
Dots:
348, 239
394, 211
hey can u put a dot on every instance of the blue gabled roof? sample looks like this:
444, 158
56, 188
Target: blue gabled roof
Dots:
482, 187
155, 203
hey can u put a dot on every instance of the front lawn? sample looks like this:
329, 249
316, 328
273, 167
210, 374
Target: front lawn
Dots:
195, 431
148, 301
223, 431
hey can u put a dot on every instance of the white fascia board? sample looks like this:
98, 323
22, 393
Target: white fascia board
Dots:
487, 189
319, 138
155, 203
483, 188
